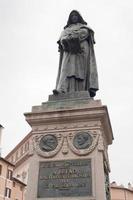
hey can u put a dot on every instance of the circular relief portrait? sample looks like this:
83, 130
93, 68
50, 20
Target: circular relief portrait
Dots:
48, 143
82, 140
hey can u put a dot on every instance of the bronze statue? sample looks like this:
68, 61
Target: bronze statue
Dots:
77, 66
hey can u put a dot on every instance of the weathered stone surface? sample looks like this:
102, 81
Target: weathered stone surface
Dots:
70, 95
66, 104
65, 119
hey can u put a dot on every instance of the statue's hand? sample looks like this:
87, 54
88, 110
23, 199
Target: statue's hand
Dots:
71, 45
65, 45
73, 35
75, 47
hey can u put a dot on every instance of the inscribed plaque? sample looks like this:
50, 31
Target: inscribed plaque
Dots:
65, 178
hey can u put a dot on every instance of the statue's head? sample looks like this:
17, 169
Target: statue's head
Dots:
75, 17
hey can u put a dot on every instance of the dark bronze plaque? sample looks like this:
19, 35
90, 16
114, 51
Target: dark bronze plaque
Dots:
82, 140
48, 143
66, 178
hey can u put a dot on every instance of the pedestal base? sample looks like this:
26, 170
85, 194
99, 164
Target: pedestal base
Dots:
69, 150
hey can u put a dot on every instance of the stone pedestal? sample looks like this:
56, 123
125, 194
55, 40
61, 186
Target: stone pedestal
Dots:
69, 158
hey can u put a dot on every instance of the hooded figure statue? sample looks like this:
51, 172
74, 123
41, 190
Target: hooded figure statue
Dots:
77, 65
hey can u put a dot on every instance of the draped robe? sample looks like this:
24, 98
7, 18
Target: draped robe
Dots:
77, 66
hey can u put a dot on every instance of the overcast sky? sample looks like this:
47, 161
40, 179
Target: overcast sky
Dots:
29, 58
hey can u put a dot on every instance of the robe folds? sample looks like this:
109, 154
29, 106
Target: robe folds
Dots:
77, 66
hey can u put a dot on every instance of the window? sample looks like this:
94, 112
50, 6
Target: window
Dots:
8, 192
12, 159
21, 188
0, 169
9, 174
14, 184
16, 155
26, 146
21, 150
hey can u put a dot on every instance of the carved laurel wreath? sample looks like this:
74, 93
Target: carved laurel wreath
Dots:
65, 143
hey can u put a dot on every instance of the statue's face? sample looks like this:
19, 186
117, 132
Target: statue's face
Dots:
50, 140
80, 139
74, 17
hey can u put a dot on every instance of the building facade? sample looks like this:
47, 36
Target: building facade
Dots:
10, 188
1, 127
20, 157
121, 192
